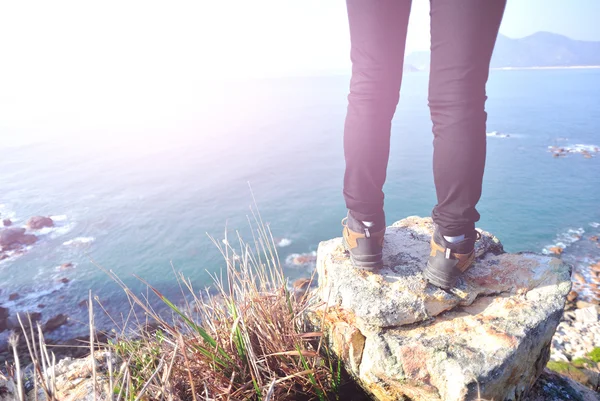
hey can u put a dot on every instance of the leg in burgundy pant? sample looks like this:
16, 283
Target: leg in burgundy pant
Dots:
463, 36
378, 35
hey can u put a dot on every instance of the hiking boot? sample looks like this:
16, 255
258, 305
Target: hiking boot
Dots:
364, 242
448, 260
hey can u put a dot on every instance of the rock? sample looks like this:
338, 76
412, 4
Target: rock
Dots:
3, 318
6, 222
55, 322
587, 315
38, 222
559, 356
13, 296
12, 237
301, 286
66, 266
33, 317
401, 337
552, 386
583, 304
64, 280
74, 379
556, 250
572, 296
8, 390
579, 278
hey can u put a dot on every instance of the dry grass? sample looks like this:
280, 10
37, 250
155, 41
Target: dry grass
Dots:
246, 342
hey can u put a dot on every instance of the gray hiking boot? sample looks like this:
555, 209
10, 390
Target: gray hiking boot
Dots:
364, 242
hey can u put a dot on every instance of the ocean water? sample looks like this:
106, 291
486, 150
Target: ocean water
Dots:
137, 201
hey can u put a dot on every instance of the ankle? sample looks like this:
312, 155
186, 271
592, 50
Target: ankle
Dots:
463, 243
373, 223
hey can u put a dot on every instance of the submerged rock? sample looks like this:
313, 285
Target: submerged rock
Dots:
38, 222
55, 322
3, 318
401, 337
27, 318
66, 266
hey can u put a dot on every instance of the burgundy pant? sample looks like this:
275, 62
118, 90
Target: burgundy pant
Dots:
463, 34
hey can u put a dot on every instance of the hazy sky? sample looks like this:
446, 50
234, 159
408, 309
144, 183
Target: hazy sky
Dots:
72, 57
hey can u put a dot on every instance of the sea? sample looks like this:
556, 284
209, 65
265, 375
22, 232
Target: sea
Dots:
146, 201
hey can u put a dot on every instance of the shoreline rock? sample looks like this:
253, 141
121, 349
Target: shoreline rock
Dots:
14, 239
39, 222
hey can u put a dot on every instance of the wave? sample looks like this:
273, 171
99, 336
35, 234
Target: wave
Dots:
583, 254
28, 300
12, 255
283, 242
563, 240
57, 230
308, 259
60, 217
496, 134
79, 241
579, 148
6, 213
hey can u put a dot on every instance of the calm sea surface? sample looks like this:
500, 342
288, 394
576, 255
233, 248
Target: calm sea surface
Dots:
137, 203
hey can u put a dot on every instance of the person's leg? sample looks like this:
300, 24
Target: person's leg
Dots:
463, 35
378, 35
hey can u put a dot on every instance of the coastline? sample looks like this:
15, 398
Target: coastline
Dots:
558, 67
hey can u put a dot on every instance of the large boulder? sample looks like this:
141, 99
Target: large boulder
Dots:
38, 222
551, 386
403, 338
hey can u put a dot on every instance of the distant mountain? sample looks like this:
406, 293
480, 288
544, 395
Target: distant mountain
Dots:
542, 49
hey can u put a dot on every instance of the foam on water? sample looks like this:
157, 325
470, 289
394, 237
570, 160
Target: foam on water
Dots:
563, 240
305, 260
29, 299
62, 230
594, 224
11, 256
60, 217
579, 148
6, 213
581, 252
586, 150
61, 227
79, 241
496, 134
283, 242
